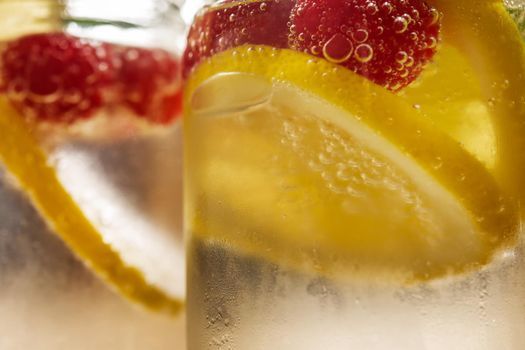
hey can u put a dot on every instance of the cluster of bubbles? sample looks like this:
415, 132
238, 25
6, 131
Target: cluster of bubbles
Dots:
348, 168
230, 24
389, 43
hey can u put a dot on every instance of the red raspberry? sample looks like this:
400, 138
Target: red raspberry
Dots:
151, 83
55, 76
232, 24
387, 41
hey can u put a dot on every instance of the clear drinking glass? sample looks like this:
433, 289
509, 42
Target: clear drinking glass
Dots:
353, 175
127, 183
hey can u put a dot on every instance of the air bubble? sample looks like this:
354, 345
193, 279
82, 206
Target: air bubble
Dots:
387, 7
263, 6
338, 48
364, 53
360, 35
325, 159
400, 25
344, 174
73, 96
103, 66
438, 163
432, 42
401, 57
434, 17
336, 189
327, 176
15, 89
372, 9
132, 55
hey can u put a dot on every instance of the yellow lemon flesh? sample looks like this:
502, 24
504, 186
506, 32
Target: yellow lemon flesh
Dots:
28, 164
305, 162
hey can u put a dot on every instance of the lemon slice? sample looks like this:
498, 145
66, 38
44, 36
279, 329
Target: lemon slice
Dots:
321, 168
475, 94
28, 164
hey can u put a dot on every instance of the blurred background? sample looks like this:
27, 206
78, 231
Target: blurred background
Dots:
48, 298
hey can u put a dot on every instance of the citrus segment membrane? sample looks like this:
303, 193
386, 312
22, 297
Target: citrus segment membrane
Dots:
28, 164
492, 49
336, 169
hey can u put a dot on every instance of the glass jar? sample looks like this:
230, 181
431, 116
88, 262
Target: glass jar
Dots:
318, 138
126, 182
